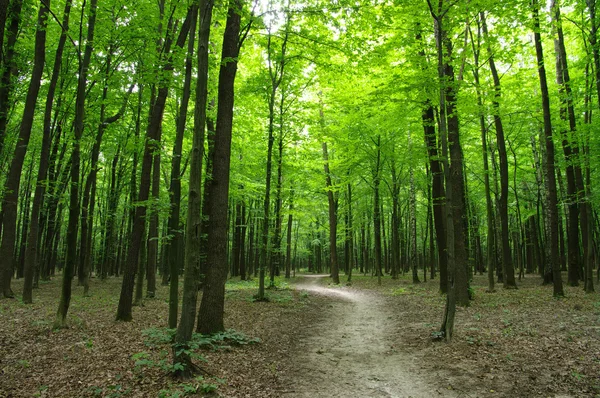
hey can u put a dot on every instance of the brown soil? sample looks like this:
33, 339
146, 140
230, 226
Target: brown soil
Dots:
317, 341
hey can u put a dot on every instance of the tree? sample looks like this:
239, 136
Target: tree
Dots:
74, 208
332, 206
11, 187
507, 262
553, 268
491, 237
194, 221
276, 68
210, 316
153, 135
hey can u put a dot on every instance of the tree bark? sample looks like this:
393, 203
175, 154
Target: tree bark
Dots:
210, 316
152, 244
578, 212
376, 211
551, 197
489, 207
153, 135
332, 206
74, 208
174, 227
507, 261
13, 180
8, 65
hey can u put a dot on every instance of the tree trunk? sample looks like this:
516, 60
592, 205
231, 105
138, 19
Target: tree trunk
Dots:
3, 13
141, 270
437, 188
332, 206
350, 235
589, 256
153, 135
8, 64
74, 209
507, 262
174, 227
447, 327
24, 133
395, 242
194, 216
575, 184
551, 197
153, 229
275, 270
376, 211
412, 205
491, 236
288, 247
210, 316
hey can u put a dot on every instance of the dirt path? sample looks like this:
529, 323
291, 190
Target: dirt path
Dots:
355, 351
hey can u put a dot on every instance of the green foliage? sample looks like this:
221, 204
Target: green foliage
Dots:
143, 360
223, 339
41, 390
400, 291
158, 336
111, 391
164, 337
199, 385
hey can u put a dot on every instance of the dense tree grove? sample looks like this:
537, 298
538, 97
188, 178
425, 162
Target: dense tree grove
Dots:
208, 140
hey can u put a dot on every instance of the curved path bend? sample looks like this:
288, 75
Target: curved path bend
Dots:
355, 352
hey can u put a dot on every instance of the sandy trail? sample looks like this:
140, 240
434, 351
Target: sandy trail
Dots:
355, 351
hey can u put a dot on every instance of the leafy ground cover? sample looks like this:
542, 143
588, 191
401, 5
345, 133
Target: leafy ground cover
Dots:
98, 357
510, 343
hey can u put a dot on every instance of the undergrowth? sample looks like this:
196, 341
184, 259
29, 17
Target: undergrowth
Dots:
163, 339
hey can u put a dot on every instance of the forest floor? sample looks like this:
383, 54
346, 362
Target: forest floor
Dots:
316, 340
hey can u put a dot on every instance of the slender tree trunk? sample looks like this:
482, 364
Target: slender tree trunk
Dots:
412, 205
153, 230
447, 327
432, 260
575, 184
210, 316
275, 270
457, 199
507, 262
350, 235
74, 209
109, 255
395, 222
491, 236
437, 187
8, 65
589, 256
31, 257
242, 243
332, 205
288, 248
32, 238
210, 129
174, 227
551, 197
24, 221
89, 193
376, 211
3, 14
153, 135
141, 270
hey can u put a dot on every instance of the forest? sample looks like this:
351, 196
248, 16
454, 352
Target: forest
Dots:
282, 198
